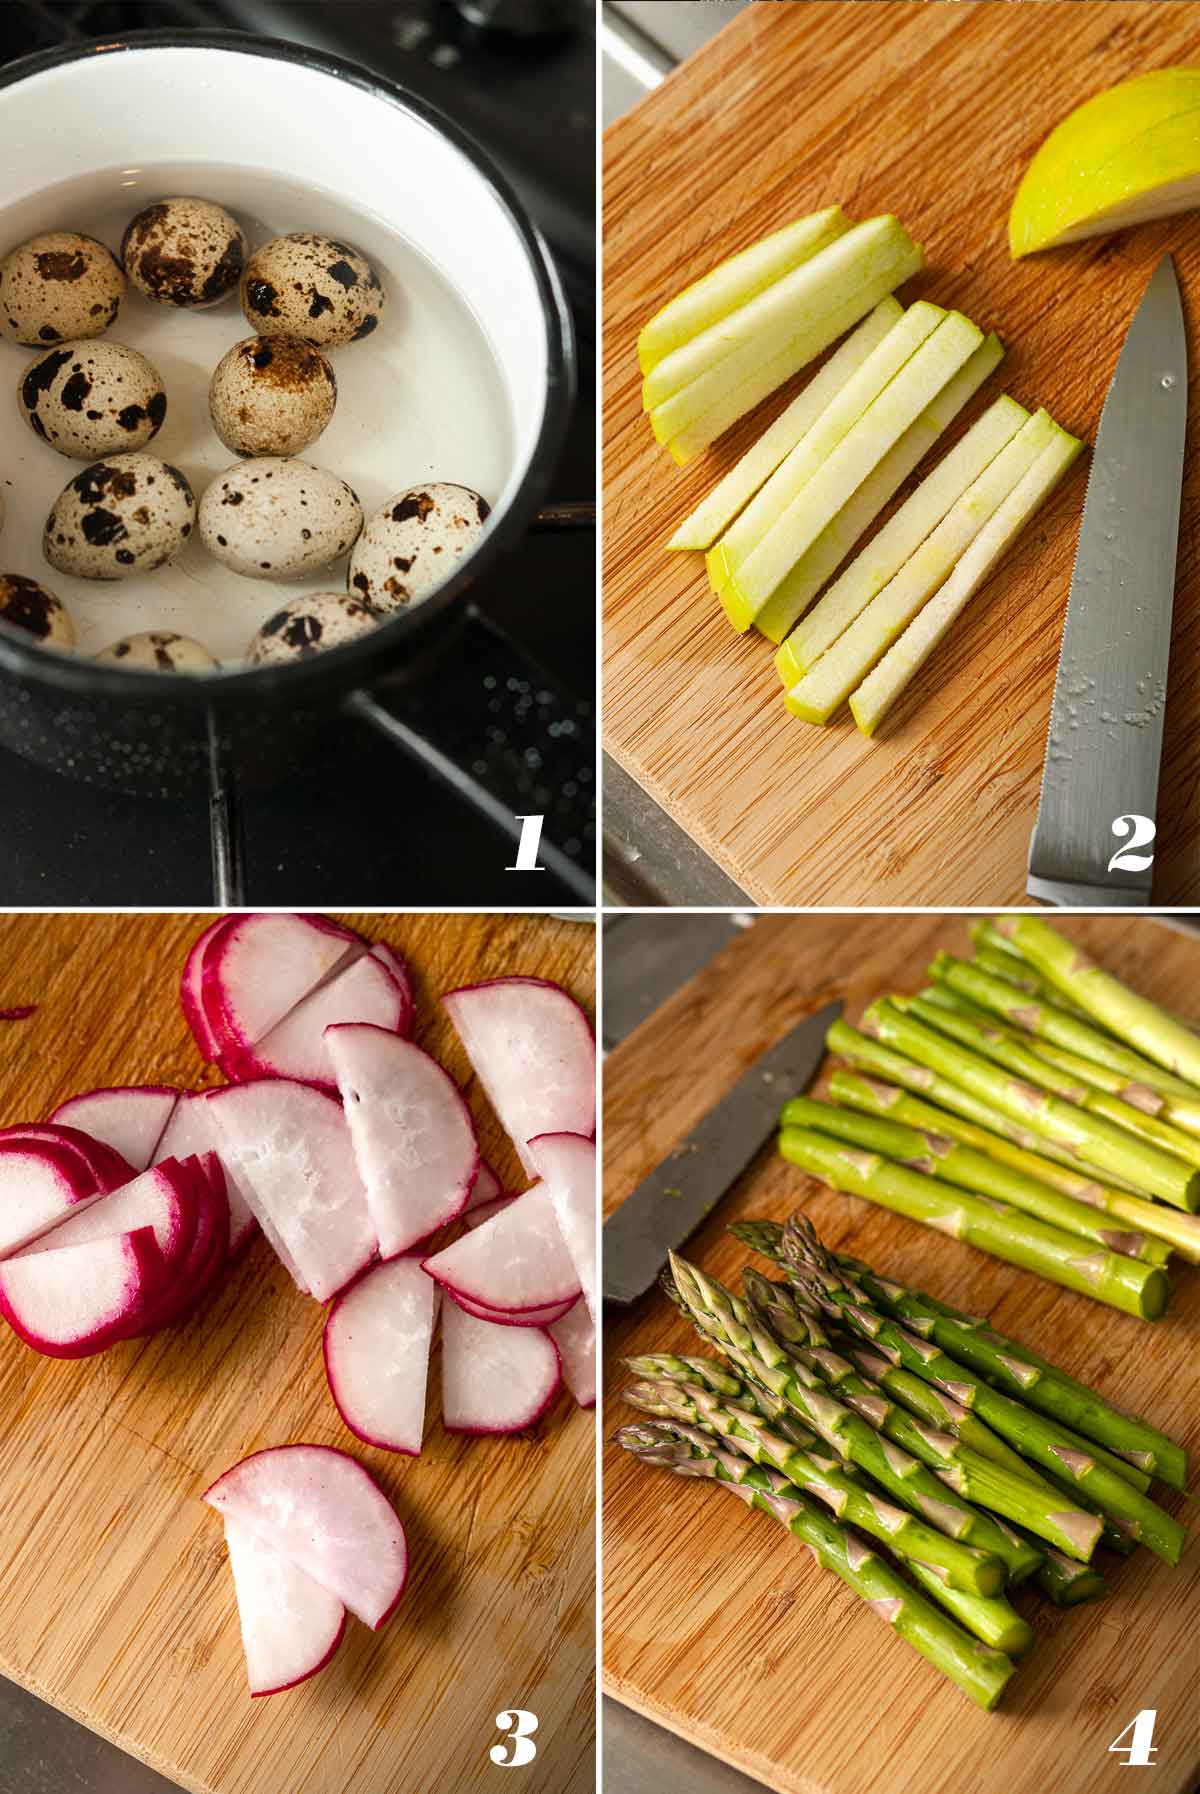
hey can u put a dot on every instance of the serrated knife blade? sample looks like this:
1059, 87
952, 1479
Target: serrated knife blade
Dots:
1105, 737
669, 1205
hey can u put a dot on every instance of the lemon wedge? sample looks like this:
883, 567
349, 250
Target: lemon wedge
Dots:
1124, 156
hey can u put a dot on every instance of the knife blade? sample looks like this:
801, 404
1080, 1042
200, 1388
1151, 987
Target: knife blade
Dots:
1100, 778
669, 1205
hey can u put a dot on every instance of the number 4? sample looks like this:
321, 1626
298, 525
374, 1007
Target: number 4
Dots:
1141, 1748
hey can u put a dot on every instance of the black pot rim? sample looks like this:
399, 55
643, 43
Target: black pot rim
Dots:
368, 658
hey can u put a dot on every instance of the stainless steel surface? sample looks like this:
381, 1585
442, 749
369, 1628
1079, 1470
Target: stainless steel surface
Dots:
1105, 736
645, 960
649, 861
44, 1752
643, 1758
667, 1206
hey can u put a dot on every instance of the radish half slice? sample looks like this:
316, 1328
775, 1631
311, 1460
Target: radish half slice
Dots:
162, 1199
377, 1341
414, 1142
517, 1317
291, 1626
399, 969
80, 1299
258, 970
98, 1162
532, 1048
328, 1515
516, 1260
575, 1337
494, 1379
297, 1048
42, 1178
192, 1130
288, 1148
191, 988
130, 1118
566, 1163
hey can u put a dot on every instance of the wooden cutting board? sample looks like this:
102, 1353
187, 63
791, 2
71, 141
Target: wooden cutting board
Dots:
118, 1601
931, 111
719, 1625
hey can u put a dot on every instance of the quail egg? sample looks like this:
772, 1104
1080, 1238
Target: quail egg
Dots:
93, 399
127, 514
27, 605
160, 651
314, 287
277, 518
184, 252
271, 396
58, 288
413, 543
309, 625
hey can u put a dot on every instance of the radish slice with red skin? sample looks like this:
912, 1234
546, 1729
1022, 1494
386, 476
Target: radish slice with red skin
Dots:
328, 1515
566, 1164
209, 1251
80, 1299
534, 1053
399, 969
477, 1216
192, 1129
257, 971
494, 1379
365, 992
100, 1163
191, 989
414, 1141
130, 1118
486, 1188
517, 1260
376, 1345
291, 1626
521, 1317
575, 1337
41, 1180
162, 1199
287, 1147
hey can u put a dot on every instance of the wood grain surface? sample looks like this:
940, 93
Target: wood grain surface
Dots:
930, 110
719, 1625
117, 1597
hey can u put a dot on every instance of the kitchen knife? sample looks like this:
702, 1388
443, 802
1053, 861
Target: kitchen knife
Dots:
1100, 779
669, 1205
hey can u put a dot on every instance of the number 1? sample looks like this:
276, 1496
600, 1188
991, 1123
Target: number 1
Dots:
527, 846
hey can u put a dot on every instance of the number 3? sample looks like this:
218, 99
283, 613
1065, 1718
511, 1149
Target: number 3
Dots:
1141, 1748
1126, 859
523, 1749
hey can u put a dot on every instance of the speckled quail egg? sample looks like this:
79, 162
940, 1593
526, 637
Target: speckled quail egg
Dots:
277, 518
27, 605
414, 542
60, 287
93, 399
314, 287
309, 625
184, 252
160, 651
127, 514
271, 396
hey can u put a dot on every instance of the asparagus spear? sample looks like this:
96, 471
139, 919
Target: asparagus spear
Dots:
1066, 1582
929, 1150
962, 1566
990, 1226
978, 1670
1108, 1147
1130, 1017
1008, 1366
729, 1324
967, 1118
977, 1479
1002, 960
1033, 1434
1147, 1220
657, 1367
975, 1029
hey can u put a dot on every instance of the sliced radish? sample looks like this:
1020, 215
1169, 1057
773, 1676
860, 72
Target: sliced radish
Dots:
191, 988
477, 1216
377, 1341
162, 1199
291, 1626
98, 1161
399, 969
414, 1142
575, 1337
328, 1515
41, 1180
516, 1260
365, 992
486, 1188
206, 1262
287, 1146
532, 1048
192, 1129
80, 1299
130, 1118
566, 1163
494, 1379
256, 972
516, 1317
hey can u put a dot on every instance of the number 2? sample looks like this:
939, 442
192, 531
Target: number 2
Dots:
1126, 859
1141, 1748
523, 1748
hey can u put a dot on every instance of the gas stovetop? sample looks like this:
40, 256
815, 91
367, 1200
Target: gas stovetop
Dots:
518, 76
